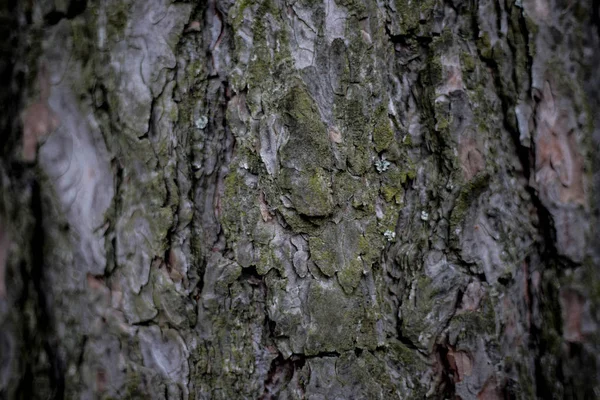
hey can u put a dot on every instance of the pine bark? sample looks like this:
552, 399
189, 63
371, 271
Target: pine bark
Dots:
390, 199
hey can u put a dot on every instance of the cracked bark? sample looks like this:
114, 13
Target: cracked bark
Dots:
267, 199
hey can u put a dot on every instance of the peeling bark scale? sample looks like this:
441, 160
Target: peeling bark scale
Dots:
309, 199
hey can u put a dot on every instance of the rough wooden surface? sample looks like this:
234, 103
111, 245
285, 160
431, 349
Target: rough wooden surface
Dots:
311, 199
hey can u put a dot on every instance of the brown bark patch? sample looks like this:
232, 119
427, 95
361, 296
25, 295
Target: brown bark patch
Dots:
95, 282
174, 266
490, 391
511, 322
460, 363
525, 291
539, 9
264, 208
572, 303
452, 75
38, 119
334, 135
101, 380
194, 26
470, 155
472, 297
4, 244
559, 164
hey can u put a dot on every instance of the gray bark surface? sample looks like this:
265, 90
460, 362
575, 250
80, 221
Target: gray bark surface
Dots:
332, 199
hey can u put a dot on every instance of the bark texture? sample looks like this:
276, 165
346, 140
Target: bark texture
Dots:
321, 199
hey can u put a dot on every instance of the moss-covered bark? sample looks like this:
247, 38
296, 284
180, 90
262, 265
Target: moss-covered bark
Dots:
310, 199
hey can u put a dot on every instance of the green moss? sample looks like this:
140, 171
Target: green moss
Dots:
443, 43
282, 60
482, 109
196, 69
469, 71
232, 183
416, 318
392, 193
174, 305
308, 145
133, 382
82, 35
468, 194
267, 60
410, 13
266, 260
349, 277
298, 223
356, 126
160, 222
316, 182
239, 208
310, 191
359, 55
259, 66
519, 44
526, 382
383, 135
443, 118
533, 30
365, 245
339, 322
435, 70
236, 12
357, 8
484, 46
366, 371
372, 241
323, 255
117, 19
473, 324
343, 249
389, 220
467, 61
358, 192
405, 356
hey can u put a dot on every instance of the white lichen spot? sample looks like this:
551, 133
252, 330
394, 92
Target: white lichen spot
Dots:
335, 21
390, 235
101, 37
453, 75
382, 165
201, 122
424, 215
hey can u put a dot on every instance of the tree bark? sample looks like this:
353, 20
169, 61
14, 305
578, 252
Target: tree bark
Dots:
310, 199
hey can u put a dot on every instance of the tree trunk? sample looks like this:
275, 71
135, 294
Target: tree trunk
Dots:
391, 199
